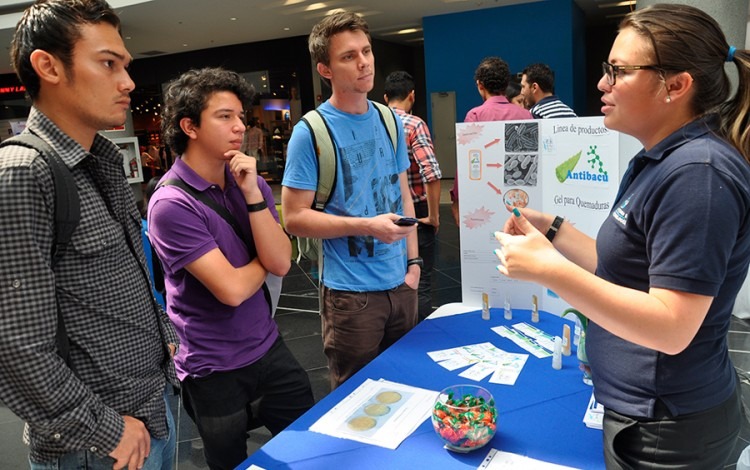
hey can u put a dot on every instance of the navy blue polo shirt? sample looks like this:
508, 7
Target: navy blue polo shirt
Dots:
682, 224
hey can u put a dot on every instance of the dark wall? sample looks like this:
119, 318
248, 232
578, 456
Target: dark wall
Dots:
392, 57
286, 60
600, 41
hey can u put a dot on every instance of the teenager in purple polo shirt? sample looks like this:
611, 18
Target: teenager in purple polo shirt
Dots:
231, 353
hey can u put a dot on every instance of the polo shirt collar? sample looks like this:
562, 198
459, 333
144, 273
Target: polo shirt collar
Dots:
690, 131
189, 176
500, 99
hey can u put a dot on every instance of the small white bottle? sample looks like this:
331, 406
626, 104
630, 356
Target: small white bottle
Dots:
566, 340
557, 354
508, 312
485, 307
534, 309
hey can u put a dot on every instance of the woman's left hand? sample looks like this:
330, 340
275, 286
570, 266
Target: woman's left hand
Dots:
527, 254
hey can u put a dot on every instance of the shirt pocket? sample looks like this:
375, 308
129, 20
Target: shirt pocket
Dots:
97, 231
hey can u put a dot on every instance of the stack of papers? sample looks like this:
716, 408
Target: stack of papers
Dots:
594, 413
485, 359
380, 413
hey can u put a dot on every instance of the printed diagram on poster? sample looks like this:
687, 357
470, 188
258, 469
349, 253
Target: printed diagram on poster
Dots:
567, 167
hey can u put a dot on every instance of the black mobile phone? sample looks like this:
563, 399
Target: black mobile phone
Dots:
405, 221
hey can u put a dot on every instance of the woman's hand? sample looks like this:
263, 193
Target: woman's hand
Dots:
525, 253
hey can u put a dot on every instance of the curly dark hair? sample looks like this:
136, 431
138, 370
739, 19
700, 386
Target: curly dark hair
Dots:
54, 26
493, 73
186, 97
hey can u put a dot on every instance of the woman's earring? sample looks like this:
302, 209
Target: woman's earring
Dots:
669, 99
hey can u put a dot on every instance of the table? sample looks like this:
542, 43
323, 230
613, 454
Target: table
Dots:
539, 417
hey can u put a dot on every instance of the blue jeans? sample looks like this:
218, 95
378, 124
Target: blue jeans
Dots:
161, 456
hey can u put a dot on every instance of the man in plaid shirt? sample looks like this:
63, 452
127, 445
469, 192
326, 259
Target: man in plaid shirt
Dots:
105, 407
424, 177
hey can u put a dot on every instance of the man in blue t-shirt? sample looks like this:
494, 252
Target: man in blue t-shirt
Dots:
371, 269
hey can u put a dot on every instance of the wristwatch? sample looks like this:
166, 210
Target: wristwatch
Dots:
554, 228
258, 206
418, 261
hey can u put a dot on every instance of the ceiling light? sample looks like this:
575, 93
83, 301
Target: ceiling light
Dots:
626, 3
315, 6
408, 31
233, 19
292, 2
287, 28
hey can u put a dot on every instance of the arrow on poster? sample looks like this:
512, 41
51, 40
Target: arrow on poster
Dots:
495, 188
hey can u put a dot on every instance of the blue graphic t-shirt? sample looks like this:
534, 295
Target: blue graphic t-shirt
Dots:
367, 184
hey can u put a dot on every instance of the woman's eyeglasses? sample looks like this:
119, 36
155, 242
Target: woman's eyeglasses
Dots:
611, 71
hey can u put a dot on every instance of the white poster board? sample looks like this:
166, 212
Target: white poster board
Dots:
569, 167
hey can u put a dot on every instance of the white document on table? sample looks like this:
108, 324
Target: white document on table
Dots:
378, 412
527, 337
498, 460
485, 359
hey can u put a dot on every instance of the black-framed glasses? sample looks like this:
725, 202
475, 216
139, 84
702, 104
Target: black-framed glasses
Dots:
611, 71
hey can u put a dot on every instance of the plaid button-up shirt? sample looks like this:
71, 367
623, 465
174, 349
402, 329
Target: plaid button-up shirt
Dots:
423, 167
117, 333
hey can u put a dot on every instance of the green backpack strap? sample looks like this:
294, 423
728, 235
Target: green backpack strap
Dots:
325, 150
390, 122
327, 154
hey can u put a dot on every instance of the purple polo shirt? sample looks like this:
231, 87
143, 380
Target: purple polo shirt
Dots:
213, 336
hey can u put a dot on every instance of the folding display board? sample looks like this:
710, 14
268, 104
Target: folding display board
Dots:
568, 167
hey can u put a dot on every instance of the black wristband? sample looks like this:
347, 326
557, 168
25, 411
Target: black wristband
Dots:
418, 261
258, 206
554, 228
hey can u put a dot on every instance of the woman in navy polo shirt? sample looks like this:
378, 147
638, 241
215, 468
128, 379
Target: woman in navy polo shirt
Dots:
659, 282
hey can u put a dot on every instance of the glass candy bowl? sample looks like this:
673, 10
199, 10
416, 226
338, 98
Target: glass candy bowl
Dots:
465, 417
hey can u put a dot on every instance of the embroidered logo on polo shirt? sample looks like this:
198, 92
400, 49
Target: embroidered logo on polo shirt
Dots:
620, 214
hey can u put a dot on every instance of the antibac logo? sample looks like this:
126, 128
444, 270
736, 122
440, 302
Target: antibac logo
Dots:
596, 174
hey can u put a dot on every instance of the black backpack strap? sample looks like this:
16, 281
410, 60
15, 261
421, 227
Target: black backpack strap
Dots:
225, 214
67, 216
67, 201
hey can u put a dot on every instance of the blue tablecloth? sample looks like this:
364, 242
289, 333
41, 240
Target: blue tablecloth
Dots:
539, 417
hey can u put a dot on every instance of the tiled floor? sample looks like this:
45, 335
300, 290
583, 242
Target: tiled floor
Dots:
299, 324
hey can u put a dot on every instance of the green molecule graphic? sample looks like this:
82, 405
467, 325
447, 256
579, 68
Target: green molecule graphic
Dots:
596, 161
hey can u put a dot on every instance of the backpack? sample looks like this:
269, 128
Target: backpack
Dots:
327, 154
67, 215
